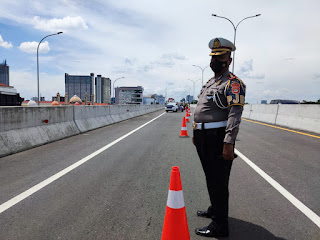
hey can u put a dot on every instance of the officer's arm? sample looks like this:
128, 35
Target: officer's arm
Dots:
234, 119
235, 98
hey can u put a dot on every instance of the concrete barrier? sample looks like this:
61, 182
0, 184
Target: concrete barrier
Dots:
91, 117
149, 108
23, 128
298, 116
246, 111
303, 116
263, 112
143, 110
133, 110
119, 113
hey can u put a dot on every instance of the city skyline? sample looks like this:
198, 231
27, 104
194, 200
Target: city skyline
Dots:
276, 53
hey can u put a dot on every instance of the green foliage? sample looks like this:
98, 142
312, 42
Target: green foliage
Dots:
310, 102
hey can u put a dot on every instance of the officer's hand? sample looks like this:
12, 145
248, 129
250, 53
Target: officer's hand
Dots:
193, 140
228, 151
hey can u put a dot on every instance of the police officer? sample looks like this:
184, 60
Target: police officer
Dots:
216, 124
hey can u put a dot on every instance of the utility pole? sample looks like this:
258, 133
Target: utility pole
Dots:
38, 62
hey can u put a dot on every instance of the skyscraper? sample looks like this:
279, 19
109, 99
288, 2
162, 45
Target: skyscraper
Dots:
189, 98
79, 85
4, 73
103, 89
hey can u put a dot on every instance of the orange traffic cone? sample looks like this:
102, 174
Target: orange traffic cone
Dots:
175, 226
184, 132
187, 116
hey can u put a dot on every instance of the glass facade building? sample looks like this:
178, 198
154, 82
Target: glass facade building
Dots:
103, 89
189, 98
4, 73
79, 85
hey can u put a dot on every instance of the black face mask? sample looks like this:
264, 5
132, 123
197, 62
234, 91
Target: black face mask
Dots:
217, 65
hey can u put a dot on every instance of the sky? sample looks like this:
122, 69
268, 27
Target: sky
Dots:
155, 43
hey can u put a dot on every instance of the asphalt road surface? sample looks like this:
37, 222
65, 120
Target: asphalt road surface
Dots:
121, 191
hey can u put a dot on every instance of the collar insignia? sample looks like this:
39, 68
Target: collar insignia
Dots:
218, 82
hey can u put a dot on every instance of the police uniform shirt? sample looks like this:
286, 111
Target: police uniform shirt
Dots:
222, 99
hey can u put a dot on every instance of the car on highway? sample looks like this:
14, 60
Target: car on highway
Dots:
172, 106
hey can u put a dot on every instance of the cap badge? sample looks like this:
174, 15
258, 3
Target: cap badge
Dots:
216, 43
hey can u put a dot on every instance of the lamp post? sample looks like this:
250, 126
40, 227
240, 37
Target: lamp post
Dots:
202, 69
235, 31
114, 91
194, 83
38, 62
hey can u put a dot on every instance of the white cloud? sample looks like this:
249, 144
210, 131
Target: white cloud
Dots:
246, 71
152, 48
31, 47
49, 84
5, 44
59, 24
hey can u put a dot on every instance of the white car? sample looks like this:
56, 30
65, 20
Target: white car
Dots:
171, 106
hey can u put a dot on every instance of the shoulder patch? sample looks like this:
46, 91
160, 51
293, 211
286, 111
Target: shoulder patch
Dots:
235, 91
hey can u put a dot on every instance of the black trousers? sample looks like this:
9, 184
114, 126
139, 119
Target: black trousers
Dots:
209, 144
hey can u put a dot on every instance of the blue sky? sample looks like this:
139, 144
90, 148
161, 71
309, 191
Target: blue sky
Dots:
155, 43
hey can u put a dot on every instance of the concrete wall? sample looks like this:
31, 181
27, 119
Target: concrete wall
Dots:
263, 112
297, 116
304, 117
23, 128
91, 117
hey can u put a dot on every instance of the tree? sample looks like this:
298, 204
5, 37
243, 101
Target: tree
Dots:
310, 102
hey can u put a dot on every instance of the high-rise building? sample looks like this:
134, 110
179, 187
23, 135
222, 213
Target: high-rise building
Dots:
159, 99
4, 73
129, 95
79, 85
189, 98
103, 89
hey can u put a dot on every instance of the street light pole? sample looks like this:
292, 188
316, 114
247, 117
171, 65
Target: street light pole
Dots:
114, 91
235, 32
38, 62
194, 84
202, 70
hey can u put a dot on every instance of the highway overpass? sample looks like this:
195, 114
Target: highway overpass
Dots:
112, 183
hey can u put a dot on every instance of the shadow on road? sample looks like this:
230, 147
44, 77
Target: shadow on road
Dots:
241, 230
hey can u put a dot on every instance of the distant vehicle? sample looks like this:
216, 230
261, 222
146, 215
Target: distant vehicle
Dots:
282, 101
172, 106
181, 107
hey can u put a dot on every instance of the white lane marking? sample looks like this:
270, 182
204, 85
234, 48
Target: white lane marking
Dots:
303, 208
32, 190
